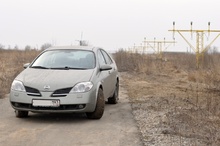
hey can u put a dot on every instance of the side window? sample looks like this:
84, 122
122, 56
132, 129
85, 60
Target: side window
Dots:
107, 58
101, 58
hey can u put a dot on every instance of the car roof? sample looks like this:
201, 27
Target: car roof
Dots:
72, 47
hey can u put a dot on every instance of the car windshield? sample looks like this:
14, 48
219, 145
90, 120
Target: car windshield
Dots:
65, 59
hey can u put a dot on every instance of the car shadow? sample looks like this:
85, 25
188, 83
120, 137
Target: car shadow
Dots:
56, 117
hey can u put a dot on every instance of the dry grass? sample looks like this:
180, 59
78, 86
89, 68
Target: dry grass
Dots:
11, 63
208, 73
174, 99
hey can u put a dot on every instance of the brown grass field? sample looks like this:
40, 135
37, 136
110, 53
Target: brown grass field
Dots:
11, 63
172, 100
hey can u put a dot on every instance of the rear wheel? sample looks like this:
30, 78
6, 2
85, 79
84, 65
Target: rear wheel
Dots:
21, 114
114, 99
100, 106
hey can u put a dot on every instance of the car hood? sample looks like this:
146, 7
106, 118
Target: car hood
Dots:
55, 79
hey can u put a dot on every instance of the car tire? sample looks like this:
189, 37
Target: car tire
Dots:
100, 106
114, 99
21, 114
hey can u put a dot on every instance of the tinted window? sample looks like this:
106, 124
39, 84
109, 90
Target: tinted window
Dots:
55, 59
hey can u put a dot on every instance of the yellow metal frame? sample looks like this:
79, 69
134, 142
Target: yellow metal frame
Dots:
159, 46
200, 49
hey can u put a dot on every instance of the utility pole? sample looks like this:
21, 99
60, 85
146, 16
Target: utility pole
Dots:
199, 49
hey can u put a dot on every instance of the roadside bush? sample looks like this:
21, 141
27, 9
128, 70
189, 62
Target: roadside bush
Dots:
133, 62
208, 72
11, 63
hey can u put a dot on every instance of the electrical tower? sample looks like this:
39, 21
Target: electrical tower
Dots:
200, 49
158, 46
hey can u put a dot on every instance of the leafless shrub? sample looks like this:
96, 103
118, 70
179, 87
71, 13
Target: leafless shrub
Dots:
137, 63
45, 46
208, 73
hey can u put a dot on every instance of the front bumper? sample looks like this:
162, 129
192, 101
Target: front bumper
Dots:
77, 102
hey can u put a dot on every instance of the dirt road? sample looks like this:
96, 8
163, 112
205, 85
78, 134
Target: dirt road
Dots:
116, 128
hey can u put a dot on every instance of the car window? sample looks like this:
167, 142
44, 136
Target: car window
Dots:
65, 59
101, 58
107, 58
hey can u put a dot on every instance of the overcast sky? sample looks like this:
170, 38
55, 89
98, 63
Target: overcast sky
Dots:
110, 24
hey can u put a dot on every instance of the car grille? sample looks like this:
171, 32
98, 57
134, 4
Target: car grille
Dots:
58, 93
61, 92
32, 91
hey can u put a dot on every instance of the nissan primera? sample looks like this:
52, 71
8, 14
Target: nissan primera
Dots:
66, 79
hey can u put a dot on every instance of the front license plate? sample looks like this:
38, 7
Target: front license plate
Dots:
46, 103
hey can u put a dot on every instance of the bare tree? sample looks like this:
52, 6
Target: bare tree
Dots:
2, 47
45, 46
27, 48
16, 47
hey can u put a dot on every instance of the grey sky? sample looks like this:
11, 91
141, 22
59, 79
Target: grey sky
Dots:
111, 24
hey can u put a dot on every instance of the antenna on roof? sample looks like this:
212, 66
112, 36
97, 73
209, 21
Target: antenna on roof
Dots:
82, 42
81, 35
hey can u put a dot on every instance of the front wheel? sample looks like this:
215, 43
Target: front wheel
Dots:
100, 106
21, 114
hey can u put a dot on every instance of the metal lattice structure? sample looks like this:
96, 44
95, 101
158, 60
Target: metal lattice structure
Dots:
199, 49
158, 46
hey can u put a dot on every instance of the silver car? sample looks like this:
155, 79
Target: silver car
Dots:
66, 79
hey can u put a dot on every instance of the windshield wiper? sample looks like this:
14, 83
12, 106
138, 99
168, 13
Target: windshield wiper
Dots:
67, 68
76, 68
41, 67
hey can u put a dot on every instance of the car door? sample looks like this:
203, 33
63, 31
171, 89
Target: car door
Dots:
108, 78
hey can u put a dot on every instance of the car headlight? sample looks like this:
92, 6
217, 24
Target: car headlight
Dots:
82, 87
17, 86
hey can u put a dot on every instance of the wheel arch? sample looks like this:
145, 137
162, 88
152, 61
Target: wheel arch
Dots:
99, 85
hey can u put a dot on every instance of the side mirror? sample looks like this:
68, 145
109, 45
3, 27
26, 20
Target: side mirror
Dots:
26, 65
105, 67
